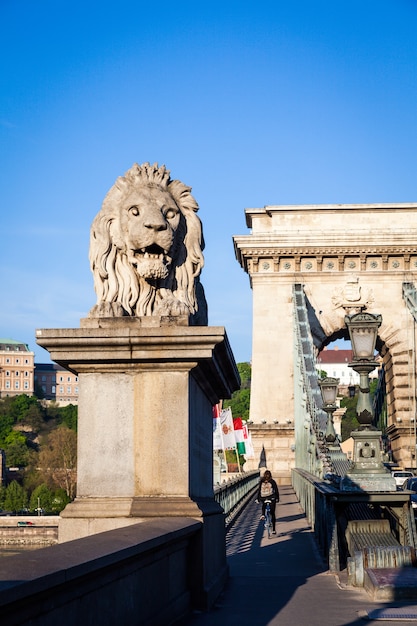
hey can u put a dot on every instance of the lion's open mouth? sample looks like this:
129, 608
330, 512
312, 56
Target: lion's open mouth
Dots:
151, 262
154, 251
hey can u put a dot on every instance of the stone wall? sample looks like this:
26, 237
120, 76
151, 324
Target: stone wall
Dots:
278, 443
142, 574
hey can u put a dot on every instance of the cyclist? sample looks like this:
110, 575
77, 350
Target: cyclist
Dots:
268, 490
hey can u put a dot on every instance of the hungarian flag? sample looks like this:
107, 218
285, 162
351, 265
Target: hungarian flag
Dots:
239, 435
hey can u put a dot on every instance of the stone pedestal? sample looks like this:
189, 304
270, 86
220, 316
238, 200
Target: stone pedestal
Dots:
368, 472
147, 388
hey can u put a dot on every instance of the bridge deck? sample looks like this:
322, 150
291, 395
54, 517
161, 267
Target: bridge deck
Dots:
283, 581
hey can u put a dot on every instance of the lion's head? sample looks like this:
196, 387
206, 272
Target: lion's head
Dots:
146, 248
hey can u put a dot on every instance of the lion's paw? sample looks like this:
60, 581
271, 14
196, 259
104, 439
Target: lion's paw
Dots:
170, 306
107, 309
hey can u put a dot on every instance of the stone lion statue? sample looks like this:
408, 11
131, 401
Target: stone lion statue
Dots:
146, 248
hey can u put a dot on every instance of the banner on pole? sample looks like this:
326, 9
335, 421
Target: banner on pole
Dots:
227, 431
217, 434
239, 435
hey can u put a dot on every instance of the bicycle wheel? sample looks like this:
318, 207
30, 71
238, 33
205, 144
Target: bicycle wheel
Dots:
268, 523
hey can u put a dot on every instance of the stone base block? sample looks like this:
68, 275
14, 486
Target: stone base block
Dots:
87, 516
389, 584
367, 482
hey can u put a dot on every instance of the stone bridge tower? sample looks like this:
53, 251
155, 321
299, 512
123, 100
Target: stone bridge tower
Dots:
347, 257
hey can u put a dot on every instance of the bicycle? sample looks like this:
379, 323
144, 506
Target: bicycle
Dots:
268, 518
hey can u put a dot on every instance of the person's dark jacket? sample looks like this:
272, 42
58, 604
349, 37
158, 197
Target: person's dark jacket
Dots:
275, 495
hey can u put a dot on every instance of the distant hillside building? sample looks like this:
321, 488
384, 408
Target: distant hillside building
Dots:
16, 368
56, 383
336, 365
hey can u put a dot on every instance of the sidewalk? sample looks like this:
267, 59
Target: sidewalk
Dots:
283, 581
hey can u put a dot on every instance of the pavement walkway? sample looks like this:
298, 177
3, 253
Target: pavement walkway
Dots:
283, 581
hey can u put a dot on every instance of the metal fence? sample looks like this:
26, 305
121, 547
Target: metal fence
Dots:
234, 495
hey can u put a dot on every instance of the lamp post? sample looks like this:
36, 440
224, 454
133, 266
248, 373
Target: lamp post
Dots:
328, 388
363, 331
368, 472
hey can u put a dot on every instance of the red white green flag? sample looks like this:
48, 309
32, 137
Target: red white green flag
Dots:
239, 435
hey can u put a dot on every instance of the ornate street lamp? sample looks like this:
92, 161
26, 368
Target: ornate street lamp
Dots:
368, 472
328, 388
363, 331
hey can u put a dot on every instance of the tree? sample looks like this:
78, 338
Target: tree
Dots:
59, 501
16, 449
42, 498
240, 400
69, 416
16, 497
58, 459
22, 405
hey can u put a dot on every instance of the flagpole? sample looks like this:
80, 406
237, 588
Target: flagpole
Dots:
238, 462
221, 435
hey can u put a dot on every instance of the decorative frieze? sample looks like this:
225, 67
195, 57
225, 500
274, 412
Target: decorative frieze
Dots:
273, 261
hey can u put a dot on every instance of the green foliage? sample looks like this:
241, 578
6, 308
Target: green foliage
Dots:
41, 497
6, 427
2, 496
349, 420
240, 400
245, 372
29, 437
69, 416
16, 497
16, 449
22, 406
59, 501
231, 458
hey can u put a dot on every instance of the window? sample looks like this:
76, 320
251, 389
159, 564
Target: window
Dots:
7, 384
69, 389
7, 360
16, 373
17, 361
26, 361
53, 389
61, 389
26, 373
26, 385
16, 384
44, 388
7, 373
61, 379
76, 390
69, 379
76, 379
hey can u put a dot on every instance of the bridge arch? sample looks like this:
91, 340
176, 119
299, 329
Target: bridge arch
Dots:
347, 258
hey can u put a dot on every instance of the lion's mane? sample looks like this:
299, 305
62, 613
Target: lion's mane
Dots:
120, 287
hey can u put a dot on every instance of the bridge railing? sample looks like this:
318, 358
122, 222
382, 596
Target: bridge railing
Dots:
315, 498
233, 495
329, 509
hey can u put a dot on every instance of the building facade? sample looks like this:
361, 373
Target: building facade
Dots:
335, 363
16, 368
56, 384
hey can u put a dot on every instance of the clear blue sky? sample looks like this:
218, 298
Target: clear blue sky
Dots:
250, 103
